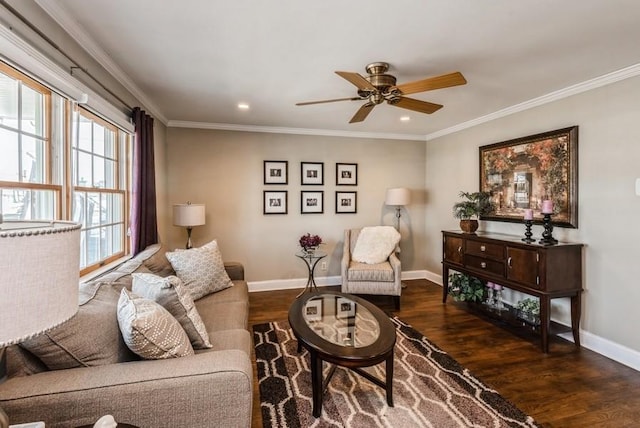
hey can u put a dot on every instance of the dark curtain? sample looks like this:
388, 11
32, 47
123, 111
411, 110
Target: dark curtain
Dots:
144, 221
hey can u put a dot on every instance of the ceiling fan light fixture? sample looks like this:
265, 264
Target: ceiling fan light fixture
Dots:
405, 118
243, 106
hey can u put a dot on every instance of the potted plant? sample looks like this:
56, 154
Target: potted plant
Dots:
465, 288
471, 208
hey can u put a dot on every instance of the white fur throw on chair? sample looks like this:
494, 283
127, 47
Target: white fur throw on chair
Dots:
375, 244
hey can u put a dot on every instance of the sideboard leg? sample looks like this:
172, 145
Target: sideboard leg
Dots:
576, 312
445, 283
545, 322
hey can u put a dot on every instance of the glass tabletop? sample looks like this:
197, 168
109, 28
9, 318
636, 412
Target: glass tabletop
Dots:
341, 321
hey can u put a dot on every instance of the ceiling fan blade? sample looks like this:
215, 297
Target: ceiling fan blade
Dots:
416, 105
362, 112
362, 83
306, 103
438, 82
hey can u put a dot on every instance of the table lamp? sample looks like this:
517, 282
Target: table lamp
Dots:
188, 215
398, 197
39, 274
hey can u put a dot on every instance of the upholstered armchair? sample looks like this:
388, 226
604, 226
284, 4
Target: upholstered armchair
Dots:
381, 278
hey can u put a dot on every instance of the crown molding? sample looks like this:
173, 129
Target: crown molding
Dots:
296, 131
58, 12
606, 79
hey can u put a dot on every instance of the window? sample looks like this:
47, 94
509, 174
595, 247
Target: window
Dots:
26, 186
49, 154
99, 185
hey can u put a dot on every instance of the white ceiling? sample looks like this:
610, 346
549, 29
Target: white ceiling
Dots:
194, 60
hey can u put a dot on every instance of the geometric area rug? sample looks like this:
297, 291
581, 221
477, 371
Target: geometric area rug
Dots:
430, 389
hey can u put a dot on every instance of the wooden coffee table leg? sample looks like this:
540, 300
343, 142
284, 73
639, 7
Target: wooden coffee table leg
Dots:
389, 376
316, 383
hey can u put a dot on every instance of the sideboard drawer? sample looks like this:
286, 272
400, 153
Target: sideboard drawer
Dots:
488, 265
485, 249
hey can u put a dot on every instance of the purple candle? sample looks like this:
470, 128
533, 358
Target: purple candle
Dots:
547, 207
528, 214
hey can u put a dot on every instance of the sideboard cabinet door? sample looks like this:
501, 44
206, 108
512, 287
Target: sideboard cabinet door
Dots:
522, 266
453, 249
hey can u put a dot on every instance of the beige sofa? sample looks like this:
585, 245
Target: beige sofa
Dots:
211, 388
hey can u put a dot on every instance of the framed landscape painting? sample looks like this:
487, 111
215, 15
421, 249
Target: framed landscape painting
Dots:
523, 172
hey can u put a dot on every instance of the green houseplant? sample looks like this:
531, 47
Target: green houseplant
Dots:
469, 210
466, 288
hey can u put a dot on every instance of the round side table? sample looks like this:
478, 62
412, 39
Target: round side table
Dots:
311, 260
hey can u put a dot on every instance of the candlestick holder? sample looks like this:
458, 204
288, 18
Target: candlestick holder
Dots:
547, 235
528, 234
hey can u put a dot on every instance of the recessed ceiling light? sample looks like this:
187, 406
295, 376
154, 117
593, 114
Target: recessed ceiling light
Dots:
243, 106
405, 118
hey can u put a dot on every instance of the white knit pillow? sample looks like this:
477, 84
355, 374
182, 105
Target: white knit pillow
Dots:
150, 330
172, 295
200, 269
375, 244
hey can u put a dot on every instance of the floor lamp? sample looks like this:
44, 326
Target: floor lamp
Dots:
398, 197
39, 273
188, 215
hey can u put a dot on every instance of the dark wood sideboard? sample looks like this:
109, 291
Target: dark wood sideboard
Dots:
544, 271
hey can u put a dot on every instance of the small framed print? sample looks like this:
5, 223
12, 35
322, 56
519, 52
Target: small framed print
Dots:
312, 202
346, 202
313, 310
312, 173
276, 172
346, 336
345, 308
274, 202
346, 174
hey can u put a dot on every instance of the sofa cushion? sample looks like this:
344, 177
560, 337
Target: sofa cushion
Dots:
158, 262
219, 316
150, 330
375, 244
90, 338
200, 269
172, 295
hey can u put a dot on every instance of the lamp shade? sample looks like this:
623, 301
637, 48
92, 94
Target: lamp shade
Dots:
188, 215
398, 196
39, 273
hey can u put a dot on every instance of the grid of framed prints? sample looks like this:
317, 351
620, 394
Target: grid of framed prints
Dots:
276, 172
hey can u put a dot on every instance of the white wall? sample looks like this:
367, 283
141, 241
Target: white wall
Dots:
224, 170
609, 210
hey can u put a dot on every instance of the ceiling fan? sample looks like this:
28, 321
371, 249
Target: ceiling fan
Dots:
378, 87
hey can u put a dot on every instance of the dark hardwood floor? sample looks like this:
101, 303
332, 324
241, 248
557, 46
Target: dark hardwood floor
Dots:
568, 387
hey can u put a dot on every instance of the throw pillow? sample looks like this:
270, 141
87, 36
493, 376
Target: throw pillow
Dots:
90, 338
172, 295
150, 330
200, 269
375, 244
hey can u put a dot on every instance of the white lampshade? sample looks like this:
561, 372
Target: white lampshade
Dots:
398, 196
39, 273
188, 215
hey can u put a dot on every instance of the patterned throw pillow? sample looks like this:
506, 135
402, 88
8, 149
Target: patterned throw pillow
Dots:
150, 330
200, 269
172, 295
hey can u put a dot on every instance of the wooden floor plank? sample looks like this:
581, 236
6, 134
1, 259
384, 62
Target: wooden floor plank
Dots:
568, 387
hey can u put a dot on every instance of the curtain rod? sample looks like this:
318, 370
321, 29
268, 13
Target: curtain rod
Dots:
74, 64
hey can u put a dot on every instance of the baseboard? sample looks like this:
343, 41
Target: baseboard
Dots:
615, 351
321, 281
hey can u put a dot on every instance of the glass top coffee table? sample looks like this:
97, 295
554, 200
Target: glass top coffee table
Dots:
346, 331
